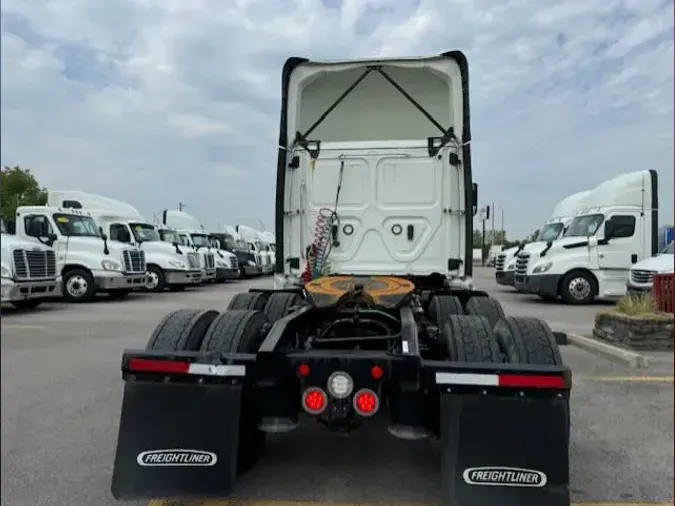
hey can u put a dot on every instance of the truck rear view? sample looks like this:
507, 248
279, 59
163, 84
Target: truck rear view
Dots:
375, 316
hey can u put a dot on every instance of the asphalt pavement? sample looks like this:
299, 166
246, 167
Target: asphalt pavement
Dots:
62, 391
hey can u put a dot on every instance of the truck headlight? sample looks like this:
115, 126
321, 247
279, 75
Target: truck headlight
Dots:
511, 266
176, 264
110, 265
251, 263
6, 273
220, 263
538, 269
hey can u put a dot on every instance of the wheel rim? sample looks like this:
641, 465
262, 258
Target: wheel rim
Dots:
153, 280
580, 288
77, 286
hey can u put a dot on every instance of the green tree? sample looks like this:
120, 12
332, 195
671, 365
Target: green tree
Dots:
533, 236
19, 188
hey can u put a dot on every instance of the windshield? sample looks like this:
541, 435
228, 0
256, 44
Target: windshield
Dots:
550, 232
669, 249
144, 232
584, 226
73, 225
169, 236
200, 240
243, 245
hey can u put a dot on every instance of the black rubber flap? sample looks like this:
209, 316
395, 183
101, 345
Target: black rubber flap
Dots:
504, 451
177, 441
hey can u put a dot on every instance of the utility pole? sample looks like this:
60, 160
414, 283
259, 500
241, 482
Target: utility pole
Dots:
181, 206
485, 215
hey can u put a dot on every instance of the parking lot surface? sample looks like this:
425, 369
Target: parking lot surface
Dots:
62, 392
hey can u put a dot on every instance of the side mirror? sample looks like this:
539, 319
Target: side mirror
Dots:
104, 236
474, 198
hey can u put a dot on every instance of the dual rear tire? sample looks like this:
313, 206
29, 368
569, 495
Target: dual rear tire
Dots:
479, 331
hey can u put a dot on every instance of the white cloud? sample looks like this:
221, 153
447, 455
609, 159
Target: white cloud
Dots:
160, 102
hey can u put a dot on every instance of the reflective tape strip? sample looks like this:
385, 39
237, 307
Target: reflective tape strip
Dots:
217, 370
449, 378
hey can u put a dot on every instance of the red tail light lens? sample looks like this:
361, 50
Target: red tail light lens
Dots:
314, 401
377, 372
304, 370
366, 402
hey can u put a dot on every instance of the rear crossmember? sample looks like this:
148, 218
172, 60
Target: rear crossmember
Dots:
503, 428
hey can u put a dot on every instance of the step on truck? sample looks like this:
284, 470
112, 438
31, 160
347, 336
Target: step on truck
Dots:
375, 314
29, 273
86, 260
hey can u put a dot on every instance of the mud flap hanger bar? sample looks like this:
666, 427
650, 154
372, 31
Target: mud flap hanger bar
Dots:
434, 144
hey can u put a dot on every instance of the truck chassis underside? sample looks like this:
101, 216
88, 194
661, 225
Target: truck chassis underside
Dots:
444, 364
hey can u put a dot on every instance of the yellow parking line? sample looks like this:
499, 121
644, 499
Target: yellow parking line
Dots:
245, 502
626, 379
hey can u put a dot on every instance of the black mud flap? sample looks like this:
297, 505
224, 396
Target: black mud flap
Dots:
504, 451
177, 441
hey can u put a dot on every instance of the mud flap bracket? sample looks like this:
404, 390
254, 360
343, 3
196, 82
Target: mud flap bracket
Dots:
504, 450
177, 440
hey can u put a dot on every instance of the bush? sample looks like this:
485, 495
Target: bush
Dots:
636, 304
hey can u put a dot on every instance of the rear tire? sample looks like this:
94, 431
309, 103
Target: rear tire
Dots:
278, 305
486, 307
469, 338
527, 340
241, 331
441, 307
254, 301
181, 330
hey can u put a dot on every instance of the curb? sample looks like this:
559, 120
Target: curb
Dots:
630, 358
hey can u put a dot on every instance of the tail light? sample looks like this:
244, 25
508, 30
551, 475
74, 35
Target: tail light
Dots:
366, 402
314, 401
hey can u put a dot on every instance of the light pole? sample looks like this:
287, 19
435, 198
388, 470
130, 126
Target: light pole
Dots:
501, 212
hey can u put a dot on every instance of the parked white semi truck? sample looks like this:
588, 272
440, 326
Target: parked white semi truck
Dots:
87, 261
563, 212
252, 236
218, 264
29, 272
168, 266
617, 228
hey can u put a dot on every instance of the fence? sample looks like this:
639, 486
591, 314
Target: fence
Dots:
662, 291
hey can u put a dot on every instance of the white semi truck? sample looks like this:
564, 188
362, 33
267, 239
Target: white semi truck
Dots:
253, 237
218, 264
563, 212
29, 272
617, 228
87, 261
168, 266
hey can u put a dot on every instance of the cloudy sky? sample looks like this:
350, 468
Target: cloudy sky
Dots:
164, 101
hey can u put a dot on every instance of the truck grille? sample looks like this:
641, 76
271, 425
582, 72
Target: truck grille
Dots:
234, 264
266, 260
193, 260
641, 277
499, 263
209, 261
258, 259
134, 260
34, 264
521, 264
